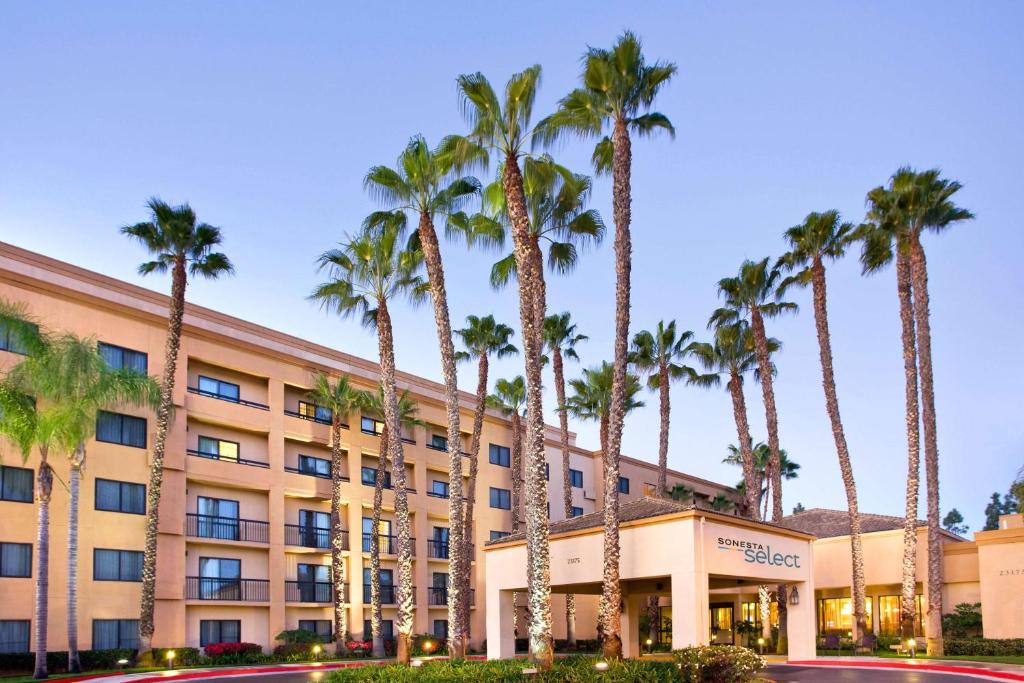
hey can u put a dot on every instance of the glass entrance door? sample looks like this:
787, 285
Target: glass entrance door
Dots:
721, 621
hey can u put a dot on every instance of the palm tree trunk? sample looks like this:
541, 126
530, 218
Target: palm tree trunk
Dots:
666, 412
751, 484
563, 425
44, 486
908, 606
458, 557
179, 280
337, 539
530, 266
621, 199
517, 484
378, 502
828, 382
765, 600
919, 280
770, 413
74, 486
406, 599
474, 468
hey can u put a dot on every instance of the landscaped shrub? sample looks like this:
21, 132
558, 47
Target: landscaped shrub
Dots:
23, 662
359, 648
718, 664
985, 647
183, 656
964, 622
299, 635
438, 646
568, 670
217, 650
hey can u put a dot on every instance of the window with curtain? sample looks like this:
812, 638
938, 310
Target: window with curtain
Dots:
501, 499
836, 614
889, 615
126, 430
121, 358
219, 388
368, 425
440, 628
120, 496
439, 442
213, 631
16, 484
318, 467
500, 455
218, 518
387, 629
14, 635
314, 412
109, 634
218, 449
117, 565
16, 560
438, 488
369, 477
321, 627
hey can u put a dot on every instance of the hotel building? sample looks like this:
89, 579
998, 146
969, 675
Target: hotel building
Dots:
243, 543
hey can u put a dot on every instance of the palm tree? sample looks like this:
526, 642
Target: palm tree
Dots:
560, 338
762, 460
506, 128
181, 245
366, 273
508, 398
425, 183
482, 337
821, 237
659, 355
372, 403
732, 354
753, 295
913, 202
340, 398
619, 87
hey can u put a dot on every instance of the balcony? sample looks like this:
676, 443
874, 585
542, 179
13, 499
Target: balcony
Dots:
438, 550
229, 399
309, 591
226, 528
312, 418
312, 473
235, 590
437, 596
388, 594
225, 458
388, 544
311, 537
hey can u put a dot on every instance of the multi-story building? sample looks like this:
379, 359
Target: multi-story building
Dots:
244, 513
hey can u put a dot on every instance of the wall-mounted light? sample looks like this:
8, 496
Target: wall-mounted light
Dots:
794, 596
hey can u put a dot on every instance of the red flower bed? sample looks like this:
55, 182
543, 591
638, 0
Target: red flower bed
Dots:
359, 647
224, 649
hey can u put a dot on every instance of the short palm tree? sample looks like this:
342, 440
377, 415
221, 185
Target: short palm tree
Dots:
732, 355
753, 295
762, 458
482, 337
372, 403
426, 184
366, 274
180, 244
824, 237
560, 339
340, 398
619, 86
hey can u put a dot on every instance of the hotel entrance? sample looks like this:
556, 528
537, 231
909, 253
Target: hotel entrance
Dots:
722, 624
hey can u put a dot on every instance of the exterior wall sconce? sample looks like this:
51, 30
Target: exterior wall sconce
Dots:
794, 596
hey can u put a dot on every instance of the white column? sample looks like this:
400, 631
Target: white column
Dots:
801, 629
630, 625
687, 604
501, 643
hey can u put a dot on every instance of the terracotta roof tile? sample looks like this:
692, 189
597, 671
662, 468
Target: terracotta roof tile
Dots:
825, 523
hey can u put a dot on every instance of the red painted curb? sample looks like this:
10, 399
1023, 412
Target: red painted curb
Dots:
936, 668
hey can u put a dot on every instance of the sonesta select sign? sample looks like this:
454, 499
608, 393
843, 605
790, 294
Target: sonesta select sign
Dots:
759, 553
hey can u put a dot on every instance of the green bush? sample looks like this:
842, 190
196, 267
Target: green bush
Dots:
718, 664
438, 646
984, 647
568, 670
183, 656
965, 622
22, 662
299, 636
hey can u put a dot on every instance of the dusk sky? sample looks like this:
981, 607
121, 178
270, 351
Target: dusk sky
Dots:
266, 116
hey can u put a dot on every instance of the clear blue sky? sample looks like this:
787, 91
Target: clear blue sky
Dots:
266, 116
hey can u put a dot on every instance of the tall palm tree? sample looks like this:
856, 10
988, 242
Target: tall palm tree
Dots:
340, 398
753, 296
659, 355
366, 273
482, 338
185, 247
732, 355
560, 339
426, 184
506, 128
915, 202
824, 237
619, 87
372, 403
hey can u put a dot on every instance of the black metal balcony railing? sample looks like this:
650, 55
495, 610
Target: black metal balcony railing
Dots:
388, 594
388, 544
219, 397
243, 590
436, 447
311, 537
226, 528
438, 494
312, 473
222, 458
308, 591
437, 596
312, 418
437, 550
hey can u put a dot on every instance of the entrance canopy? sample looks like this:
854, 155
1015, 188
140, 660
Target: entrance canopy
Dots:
668, 549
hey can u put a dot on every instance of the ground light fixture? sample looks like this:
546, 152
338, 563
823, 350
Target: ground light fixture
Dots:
316, 652
169, 656
121, 663
760, 645
428, 646
601, 666
650, 645
912, 646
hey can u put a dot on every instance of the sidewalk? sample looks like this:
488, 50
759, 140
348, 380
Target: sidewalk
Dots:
1008, 672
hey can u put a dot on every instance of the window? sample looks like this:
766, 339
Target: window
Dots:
117, 565
220, 579
623, 485
547, 471
218, 518
121, 429
751, 611
318, 467
500, 455
109, 634
438, 442
369, 477
836, 614
889, 615
315, 527
501, 499
219, 389
438, 489
120, 496
387, 629
13, 635
314, 582
121, 358
16, 484
370, 426
440, 628
218, 449
321, 627
576, 479
219, 631
16, 560
312, 411
439, 542
577, 512
383, 535
10, 341
495, 535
